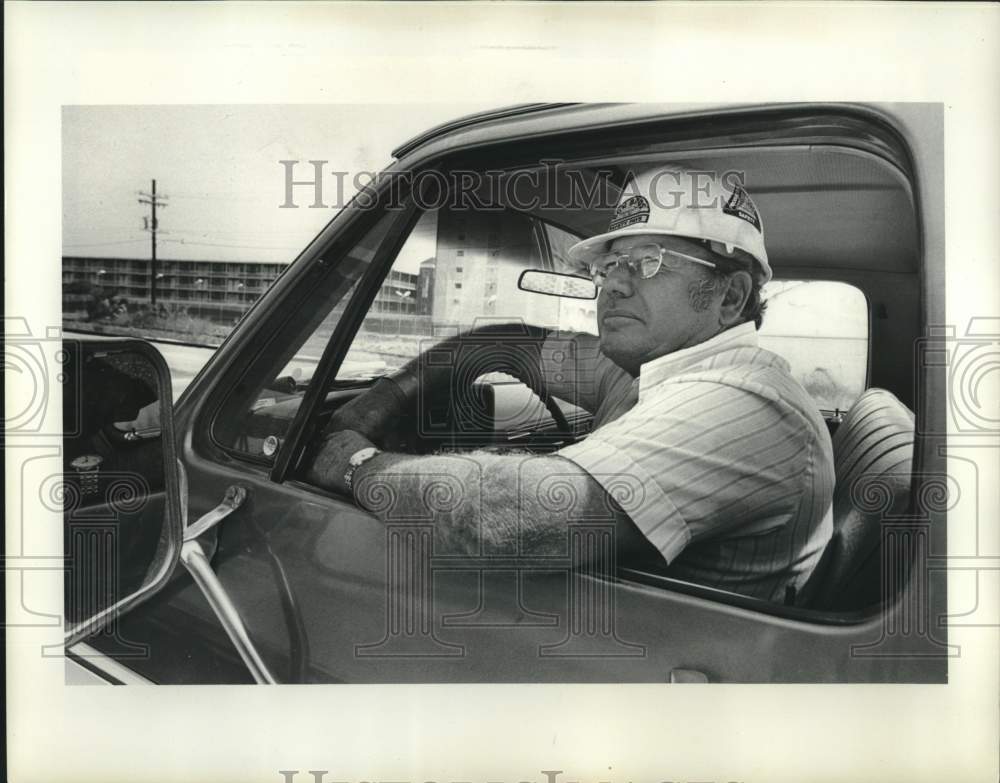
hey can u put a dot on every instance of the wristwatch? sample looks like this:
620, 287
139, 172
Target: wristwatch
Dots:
358, 458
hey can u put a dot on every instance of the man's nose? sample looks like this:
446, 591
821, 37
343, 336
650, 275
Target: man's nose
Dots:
618, 282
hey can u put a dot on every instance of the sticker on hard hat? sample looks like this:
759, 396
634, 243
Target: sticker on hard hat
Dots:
631, 211
740, 205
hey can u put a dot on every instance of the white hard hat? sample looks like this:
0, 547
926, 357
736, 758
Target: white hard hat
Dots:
679, 202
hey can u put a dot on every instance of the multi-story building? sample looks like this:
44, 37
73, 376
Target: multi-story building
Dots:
472, 276
216, 290
480, 257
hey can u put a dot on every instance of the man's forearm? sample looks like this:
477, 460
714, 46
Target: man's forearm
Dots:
481, 502
518, 504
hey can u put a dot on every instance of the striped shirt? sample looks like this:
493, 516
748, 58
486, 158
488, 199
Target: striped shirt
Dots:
726, 461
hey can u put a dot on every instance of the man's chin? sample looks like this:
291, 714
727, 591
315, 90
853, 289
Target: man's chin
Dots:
618, 354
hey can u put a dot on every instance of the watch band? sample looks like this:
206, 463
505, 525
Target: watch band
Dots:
358, 459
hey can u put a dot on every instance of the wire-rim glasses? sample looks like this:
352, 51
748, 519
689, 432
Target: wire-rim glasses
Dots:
642, 261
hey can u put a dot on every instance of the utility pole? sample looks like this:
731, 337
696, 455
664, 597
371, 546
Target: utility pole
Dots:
152, 226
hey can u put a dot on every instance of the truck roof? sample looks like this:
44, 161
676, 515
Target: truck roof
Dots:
537, 119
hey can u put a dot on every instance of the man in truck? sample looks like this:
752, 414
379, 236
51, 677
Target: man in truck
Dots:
714, 463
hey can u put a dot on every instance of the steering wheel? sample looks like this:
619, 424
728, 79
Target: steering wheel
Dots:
479, 355
451, 368
475, 355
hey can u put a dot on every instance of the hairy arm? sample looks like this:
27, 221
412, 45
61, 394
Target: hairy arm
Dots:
495, 503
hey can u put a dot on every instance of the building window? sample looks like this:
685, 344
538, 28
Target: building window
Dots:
459, 252
458, 285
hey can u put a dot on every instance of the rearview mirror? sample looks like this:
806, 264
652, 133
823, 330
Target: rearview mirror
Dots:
540, 281
122, 517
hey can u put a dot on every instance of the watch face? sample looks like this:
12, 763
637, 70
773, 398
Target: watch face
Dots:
360, 457
86, 462
270, 445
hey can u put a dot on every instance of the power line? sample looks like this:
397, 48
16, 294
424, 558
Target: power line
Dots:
233, 196
91, 199
102, 244
107, 236
110, 232
238, 232
184, 241
246, 247
152, 226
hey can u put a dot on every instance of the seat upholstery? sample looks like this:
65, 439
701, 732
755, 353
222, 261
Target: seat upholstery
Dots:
873, 462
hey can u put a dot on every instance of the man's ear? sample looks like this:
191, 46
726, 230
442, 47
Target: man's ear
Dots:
738, 287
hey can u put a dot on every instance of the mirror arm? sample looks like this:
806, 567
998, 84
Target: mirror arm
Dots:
201, 571
194, 559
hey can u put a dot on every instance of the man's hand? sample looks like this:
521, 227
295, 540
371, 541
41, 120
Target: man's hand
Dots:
372, 414
514, 348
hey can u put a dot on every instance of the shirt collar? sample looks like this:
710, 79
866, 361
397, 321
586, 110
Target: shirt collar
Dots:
656, 371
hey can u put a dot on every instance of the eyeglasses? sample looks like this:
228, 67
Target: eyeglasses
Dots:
644, 261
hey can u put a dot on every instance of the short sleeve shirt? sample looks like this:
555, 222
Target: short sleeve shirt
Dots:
729, 461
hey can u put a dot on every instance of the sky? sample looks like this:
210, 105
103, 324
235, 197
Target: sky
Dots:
218, 167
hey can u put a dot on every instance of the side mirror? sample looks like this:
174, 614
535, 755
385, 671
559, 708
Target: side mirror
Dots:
122, 516
540, 281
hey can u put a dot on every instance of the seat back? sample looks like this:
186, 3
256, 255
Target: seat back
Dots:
873, 462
